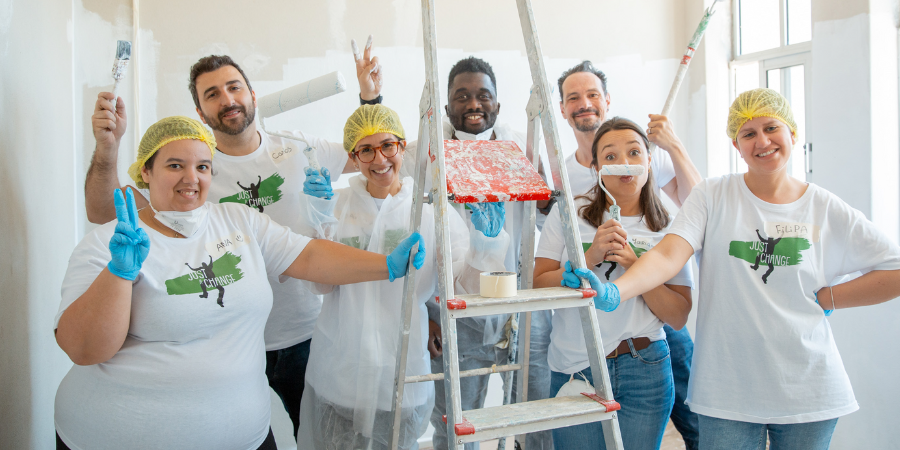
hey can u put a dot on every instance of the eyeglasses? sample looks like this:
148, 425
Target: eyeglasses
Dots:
388, 149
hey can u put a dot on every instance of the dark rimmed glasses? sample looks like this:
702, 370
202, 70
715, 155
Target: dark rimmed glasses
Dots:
387, 149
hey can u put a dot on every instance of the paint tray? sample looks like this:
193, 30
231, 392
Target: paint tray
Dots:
491, 171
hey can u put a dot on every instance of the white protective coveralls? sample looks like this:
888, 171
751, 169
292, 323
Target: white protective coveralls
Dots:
350, 376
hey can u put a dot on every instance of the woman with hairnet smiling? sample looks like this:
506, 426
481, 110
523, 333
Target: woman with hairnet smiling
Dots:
774, 252
163, 310
350, 377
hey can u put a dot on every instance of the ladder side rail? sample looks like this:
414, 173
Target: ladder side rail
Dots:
593, 342
441, 223
409, 282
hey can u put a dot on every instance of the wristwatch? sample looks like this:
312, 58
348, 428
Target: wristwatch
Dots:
374, 101
546, 210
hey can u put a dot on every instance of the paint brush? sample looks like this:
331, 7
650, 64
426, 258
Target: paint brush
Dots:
123, 55
617, 170
686, 61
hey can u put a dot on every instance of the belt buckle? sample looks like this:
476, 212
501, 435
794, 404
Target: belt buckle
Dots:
614, 355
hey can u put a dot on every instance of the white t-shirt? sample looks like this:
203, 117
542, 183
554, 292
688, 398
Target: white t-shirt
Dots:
632, 319
271, 181
583, 179
191, 373
764, 351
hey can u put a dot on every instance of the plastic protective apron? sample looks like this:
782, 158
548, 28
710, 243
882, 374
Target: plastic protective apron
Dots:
362, 320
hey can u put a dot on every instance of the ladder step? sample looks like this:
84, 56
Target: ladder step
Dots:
520, 418
465, 373
473, 305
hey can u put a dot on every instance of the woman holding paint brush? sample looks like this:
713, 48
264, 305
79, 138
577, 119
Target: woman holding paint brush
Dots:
163, 310
350, 378
765, 361
633, 336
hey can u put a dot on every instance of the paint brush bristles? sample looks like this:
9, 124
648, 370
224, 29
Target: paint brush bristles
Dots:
123, 55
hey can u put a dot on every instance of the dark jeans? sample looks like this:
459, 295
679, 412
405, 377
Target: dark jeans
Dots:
681, 348
268, 444
286, 371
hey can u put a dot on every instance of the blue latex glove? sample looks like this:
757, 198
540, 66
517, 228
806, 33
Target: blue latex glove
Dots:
827, 311
398, 260
318, 185
129, 245
488, 218
607, 298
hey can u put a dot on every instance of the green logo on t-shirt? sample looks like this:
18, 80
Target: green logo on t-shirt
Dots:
258, 195
772, 252
206, 277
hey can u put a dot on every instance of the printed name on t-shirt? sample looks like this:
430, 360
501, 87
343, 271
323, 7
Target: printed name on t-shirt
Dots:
229, 243
280, 154
806, 231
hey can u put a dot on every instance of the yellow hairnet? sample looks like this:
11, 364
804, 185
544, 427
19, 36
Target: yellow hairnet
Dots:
168, 130
755, 103
368, 120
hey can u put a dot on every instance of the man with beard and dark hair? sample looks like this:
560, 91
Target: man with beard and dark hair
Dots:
225, 102
585, 103
472, 110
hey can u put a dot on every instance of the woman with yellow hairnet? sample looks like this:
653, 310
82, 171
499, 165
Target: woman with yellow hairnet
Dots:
163, 310
349, 381
774, 250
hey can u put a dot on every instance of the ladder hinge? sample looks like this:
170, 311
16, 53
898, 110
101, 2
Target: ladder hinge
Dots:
466, 427
611, 405
587, 293
455, 303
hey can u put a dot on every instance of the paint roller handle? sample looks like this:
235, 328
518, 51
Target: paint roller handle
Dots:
313, 159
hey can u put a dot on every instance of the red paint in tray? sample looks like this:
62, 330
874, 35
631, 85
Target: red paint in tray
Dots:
491, 171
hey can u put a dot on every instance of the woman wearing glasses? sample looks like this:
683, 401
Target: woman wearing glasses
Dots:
349, 380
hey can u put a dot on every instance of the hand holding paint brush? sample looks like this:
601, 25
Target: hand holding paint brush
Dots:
618, 170
368, 71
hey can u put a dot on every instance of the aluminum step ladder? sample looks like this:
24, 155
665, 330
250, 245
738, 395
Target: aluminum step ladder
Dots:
524, 417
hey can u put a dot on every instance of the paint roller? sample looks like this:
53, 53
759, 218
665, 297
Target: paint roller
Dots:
617, 170
686, 61
123, 55
296, 96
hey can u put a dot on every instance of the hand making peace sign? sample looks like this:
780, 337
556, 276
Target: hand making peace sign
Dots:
368, 71
129, 245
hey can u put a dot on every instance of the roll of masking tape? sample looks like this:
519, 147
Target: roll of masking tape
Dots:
498, 284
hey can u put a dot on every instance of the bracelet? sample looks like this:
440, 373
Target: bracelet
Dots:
374, 101
831, 289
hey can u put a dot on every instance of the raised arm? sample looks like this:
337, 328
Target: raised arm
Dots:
662, 133
108, 123
93, 328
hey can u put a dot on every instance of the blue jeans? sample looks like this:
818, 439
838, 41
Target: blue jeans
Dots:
723, 434
286, 371
642, 383
682, 349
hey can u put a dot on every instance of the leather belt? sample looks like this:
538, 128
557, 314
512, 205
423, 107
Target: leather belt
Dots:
638, 343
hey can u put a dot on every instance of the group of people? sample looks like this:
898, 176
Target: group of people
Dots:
307, 301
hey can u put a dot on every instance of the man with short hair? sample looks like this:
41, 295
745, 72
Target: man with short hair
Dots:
472, 110
585, 102
246, 156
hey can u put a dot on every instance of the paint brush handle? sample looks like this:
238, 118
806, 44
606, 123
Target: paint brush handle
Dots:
310, 154
686, 62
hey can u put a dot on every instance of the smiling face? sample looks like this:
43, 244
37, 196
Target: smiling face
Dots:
180, 175
226, 103
383, 173
623, 147
584, 103
473, 106
765, 144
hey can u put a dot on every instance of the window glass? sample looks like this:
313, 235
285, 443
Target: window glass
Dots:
759, 25
799, 21
746, 77
797, 98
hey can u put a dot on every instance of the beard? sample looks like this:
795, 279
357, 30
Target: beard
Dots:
459, 122
586, 125
219, 125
